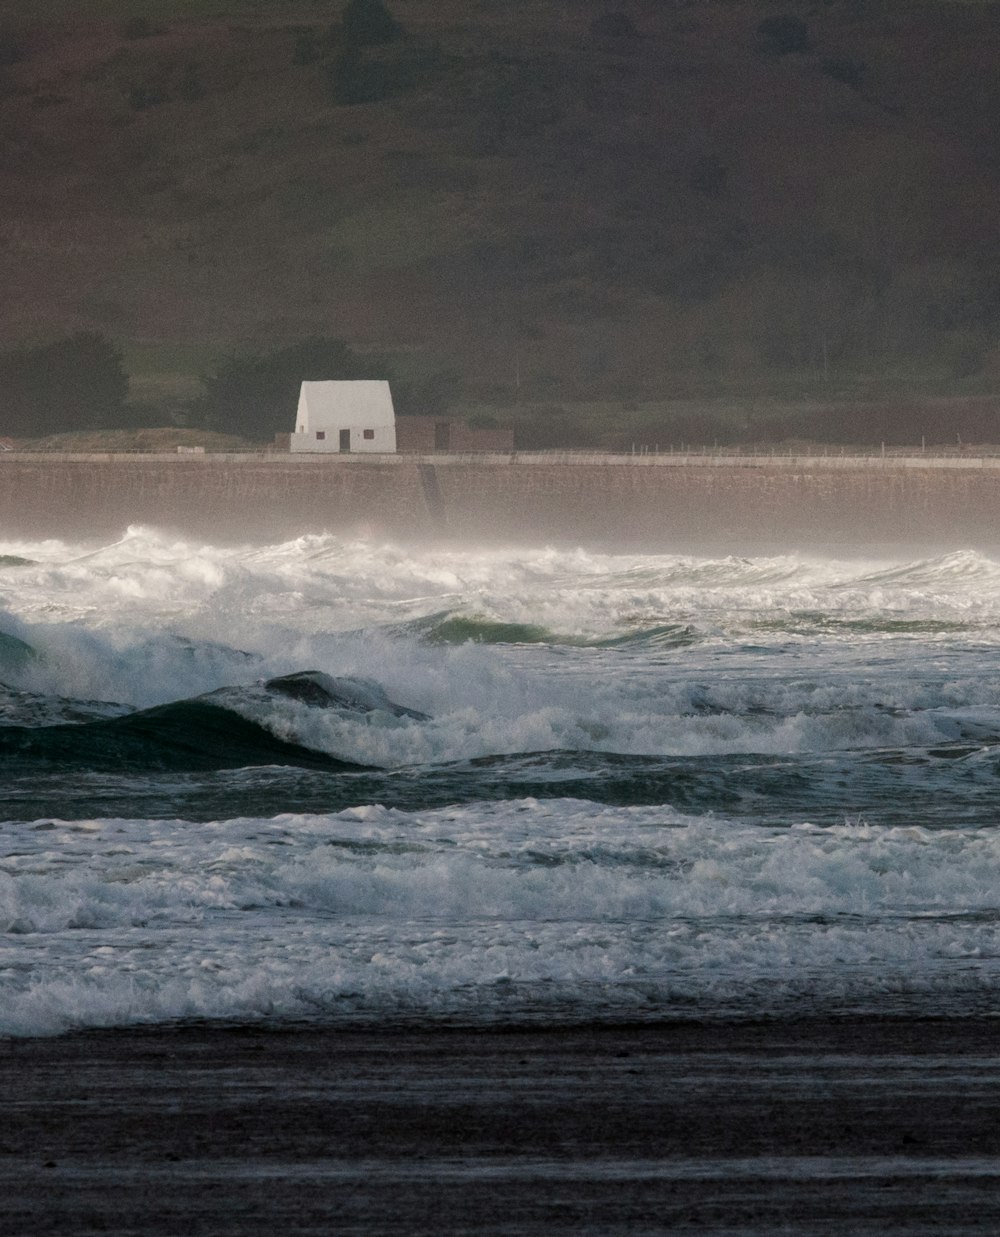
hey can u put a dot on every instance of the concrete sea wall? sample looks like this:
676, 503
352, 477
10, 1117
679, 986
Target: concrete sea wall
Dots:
716, 503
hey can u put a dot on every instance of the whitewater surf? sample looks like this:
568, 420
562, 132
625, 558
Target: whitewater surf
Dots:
342, 780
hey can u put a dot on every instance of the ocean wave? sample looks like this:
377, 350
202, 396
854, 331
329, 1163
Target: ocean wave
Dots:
187, 735
455, 627
266, 691
565, 909
15, 654
471, 702
575, 594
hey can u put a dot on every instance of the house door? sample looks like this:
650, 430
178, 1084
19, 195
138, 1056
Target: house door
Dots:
442, 435
345, 440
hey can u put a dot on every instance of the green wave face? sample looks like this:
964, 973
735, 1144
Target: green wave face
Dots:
666, 636
459, 629
15, 654
815, 620
13, 560
188, 736
465, 629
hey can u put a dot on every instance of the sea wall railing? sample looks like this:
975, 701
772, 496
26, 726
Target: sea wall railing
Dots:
978, 456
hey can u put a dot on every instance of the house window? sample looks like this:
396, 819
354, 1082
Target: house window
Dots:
369, 433
320, 435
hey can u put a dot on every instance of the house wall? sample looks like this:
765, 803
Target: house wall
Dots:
382, 440
326, 410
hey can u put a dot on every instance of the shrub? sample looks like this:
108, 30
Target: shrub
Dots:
75, 383
368, 23
784, 34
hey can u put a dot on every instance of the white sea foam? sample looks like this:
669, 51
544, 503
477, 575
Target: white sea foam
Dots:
343, 585
497, 910
500, 910
152, 619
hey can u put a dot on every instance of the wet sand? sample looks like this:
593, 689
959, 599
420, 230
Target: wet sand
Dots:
809, 1127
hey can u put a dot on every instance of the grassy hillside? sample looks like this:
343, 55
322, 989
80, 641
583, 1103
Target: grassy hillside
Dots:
558, 214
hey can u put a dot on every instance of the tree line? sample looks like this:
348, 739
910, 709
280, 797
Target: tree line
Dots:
81, 383
75, 383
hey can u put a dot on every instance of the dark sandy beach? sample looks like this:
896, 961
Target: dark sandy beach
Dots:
808, 1127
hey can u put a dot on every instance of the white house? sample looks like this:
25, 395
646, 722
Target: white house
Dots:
345, 416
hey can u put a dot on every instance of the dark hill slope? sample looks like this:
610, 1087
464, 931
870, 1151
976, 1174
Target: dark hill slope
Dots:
510, 193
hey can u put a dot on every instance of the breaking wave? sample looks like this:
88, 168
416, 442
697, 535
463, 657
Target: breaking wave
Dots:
339, 779
565, 910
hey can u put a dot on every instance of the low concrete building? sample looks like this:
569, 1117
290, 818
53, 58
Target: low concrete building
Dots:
345, 416
442, 434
